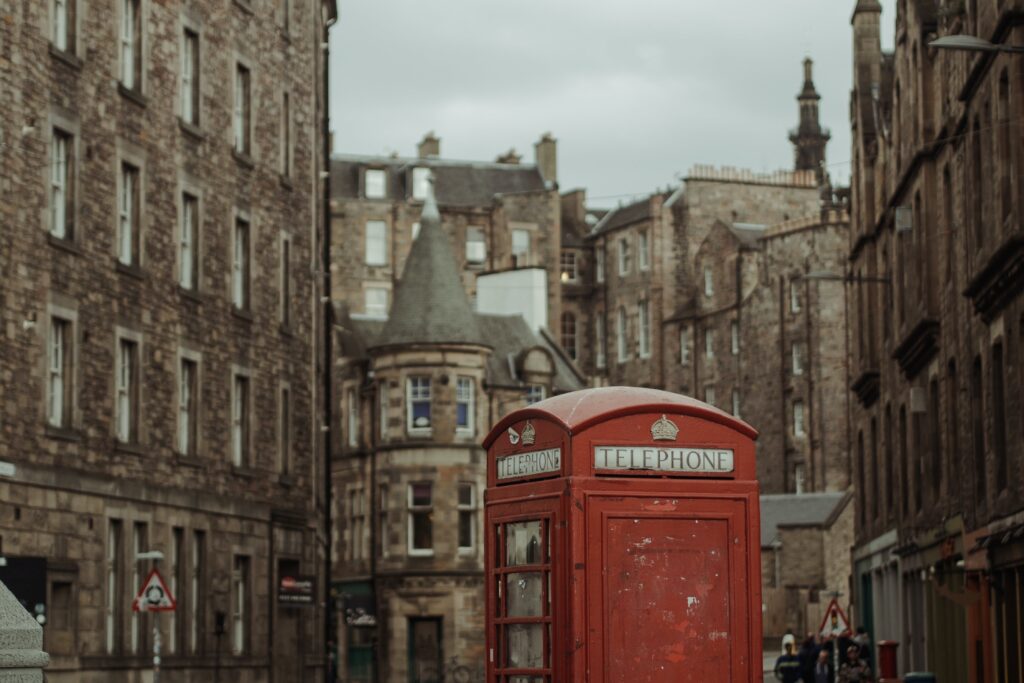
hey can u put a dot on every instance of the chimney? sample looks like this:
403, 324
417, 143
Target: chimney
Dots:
546, 155
430, 146
510, 157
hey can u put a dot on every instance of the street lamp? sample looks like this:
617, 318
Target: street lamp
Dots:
972, 44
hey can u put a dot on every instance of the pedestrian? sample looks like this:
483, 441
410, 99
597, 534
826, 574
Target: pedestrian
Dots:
855, 669
821, 672
863, 641
808, 655
788, 639
787, 666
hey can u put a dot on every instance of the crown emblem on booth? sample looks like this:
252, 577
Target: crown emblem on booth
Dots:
529, 434
664, 430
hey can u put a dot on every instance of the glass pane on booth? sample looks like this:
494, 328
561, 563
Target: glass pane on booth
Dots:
524, 595
523, 543
524, 647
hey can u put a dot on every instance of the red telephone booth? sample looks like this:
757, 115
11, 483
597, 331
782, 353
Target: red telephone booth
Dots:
622, 542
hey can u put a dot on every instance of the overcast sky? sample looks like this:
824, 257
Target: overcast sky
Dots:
635, 92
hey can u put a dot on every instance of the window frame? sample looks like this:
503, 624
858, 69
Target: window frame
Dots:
129, 214
287, 135
131, 45
352, 417
64, 26
709, 281
375, 173
242, 111
61, 349
796, 351
375, 236
795, 305
285, 281
569, 334
517, 250
127, 394
621, 336
684, 345
625, 258
464, 511
241, 264
476, 245
62, 174
190, 81
643, 246
420, 182
535, 393
734, 337
466, 386
188, 410
377, 312
709, 343
188, 241
599, 257
241, 418
601, 342
568, 266
241, 604
644, 328
799, 419
413, 509
412, 385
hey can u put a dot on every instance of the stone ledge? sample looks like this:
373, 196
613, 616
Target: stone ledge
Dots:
21, 642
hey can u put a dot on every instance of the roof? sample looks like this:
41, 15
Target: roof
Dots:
623, 216
509, 335
456, 183
785, 509
430, 304
578, 410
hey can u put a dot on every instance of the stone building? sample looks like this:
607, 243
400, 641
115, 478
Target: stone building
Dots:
937, 337
500, 216
160, 322
415, 393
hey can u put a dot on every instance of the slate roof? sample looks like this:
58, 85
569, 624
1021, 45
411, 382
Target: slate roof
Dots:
623, 216
430, 304
456, 183
792, 508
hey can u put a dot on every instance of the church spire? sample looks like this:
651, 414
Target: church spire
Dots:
809, 139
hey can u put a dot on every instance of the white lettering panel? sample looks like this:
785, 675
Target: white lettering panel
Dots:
672, 460
526, 464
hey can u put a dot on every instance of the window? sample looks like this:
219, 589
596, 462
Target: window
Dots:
467, 517
736, 402
709, 344
188, 400
240, 421
382, 521
188, 247
62, 185
415, 230
190, 77
464, 405
644, 247
620, 336
138, 632
419, 404
709, 394
382, 399
569, 334
600, 342
128, 216
476, 246
131, 45
798, 478
285, 304
798, 418
420, 183
794, 295
569, 273
356, 522
61, 623
684, 346
352, 402
376, 243
243, 110
240, 266
599, 263
798, 358
709, 281
520, 247
535, 393
286, 135
63, 29
734, 337
196, 598
421, 522
114, 607
284, 432
240, 605
60, 387
625, 258
375, 181
644, 314
999, 417
127, 406
376, 302
177, 581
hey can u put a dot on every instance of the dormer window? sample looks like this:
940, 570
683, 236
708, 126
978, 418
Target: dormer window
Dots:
420, 183
375, 183
418, 405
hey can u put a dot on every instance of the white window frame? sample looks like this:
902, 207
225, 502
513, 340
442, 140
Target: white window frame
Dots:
535, 393
794, 296
599, 257
734, 334
709, 281
188, 405
287, 134
356, 522
241, 268
684, 345
709, 394
127, 368
465, 393
60, 158
798, 419
414, 230
61, 30
521, 255
466, 509
130, 51
418, 388
570, 328
643, 250
376, 245
569, 266
242, 124
190, 60
375, 183
709, 343
476, 245
352, 417
188, 242
61, 372
285, 281
128, 214
644, 327
796, 351
420, 182
377, 310
621, 334
115, 542
625, 259
241, 582
735, 402
383, 408
241, 423
600, 356
419, 509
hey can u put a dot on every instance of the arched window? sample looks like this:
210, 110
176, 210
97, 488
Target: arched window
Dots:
569, 334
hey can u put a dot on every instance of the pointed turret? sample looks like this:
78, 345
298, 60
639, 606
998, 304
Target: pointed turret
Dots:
809, 139
430, 304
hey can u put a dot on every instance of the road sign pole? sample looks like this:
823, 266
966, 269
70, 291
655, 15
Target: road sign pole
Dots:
156, 647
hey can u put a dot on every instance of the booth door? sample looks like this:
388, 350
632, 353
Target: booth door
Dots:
520, 599
669, 601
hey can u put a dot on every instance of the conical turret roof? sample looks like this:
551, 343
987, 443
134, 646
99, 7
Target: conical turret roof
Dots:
430, 304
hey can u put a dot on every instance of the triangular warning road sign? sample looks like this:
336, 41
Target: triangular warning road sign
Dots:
154, 596
835, 623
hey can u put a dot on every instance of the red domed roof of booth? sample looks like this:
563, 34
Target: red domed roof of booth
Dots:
578, 410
